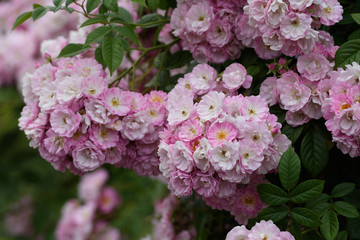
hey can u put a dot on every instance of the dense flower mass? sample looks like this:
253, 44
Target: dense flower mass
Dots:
78, 123
340, 95
261, 230
297, 90
285, 27
216, 143
215, 30
207, 28
87, 221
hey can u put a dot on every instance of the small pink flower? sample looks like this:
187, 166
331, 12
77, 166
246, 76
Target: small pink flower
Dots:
239, 232
93, 86
224, 157
116, 101
236, 76
198, 18
103, 137
330, 12
64, 121
108, 200
205, 185
295, 25
182, 157
313, 66
210, 106
267, 230
87, 156
190, 130
219, 33
221, 132
91, 184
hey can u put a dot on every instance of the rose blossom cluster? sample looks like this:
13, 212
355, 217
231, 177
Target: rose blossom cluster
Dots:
82, 219
171, 221
297, 90
261, 230
287, 27
340, 95
78, 123
19, 50
207, 28
218, 141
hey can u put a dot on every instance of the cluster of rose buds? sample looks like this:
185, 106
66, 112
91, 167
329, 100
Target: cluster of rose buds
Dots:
340, 95
289, 27
78, 123
207, 28
216, 142
297, 90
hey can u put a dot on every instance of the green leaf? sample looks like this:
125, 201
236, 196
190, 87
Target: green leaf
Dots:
320, 208
126, 45
127, 33
319, 204
314, 152
153, 4
295, 230
69, 9
35, 5
305, 217
71, 50
306, 191
125, 15
39, 12
98, 56
347, 53
342, 189
97, 34
330, 225
113, 52
22, 18
321, 199
346, 209
293, 133
289, 169
253, 70
353, 198
274, 213
178, 59
354, 35
150, 20
356, 17
68, 2
272, 194
141, 2
92, 4
95, 20
58, 3
353, 227
343, 235
111, 5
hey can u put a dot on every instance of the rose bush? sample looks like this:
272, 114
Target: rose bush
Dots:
247, 110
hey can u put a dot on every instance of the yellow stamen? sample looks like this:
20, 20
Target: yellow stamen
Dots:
221, 135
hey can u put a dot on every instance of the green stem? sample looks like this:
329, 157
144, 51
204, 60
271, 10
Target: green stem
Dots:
145, 51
